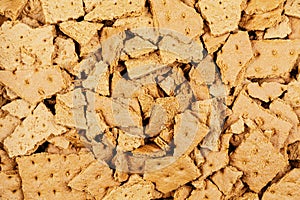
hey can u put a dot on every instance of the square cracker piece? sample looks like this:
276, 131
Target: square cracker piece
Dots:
35, 129
23, 47
109, 10
222, 16
273, 58
10, 186
292, 8
34, 85
286, 188
45, 176
166, 14
12, 8
258, 159
169, 173
61, 10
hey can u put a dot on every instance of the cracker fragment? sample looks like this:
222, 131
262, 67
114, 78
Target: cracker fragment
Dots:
287, 187
59, 141
34, 11
267, 91
54, 173
213, 43
136, 47
34, 85
61, 11
18, 108
292, 8
10, 186
7, 126
166, 14
222, 16
129, 142
23, 47
234, 55
12, 9
273, 58
293, 94
37, 127
109, 10
249, 196
182, 192
280, 30
210, 191
295, 25
258, 159
261, 6
7, 164
169, 173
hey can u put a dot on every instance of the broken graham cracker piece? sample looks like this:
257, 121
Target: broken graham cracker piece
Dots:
8, 124
266, 91
222, 16
23, 47
34, 129
182, 192
273, 58
295, 25
18, 108
137, 46
166, 14
287, 187
262, 6
248, 196
280, 30
110, 10
94, 179
209, 191
12, 8
293, 94
135, 188
10, 186
129, 142
34, 85
169, 173
234, 55
54, 173
292, 8
258, 159
213, 43
6, 164
57, 11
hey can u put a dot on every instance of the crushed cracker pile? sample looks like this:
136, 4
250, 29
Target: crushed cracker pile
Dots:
149, 99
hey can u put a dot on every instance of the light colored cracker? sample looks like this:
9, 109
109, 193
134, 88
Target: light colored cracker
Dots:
90, 5
280, 30
136, 47
237, 127
6, 163
222, 16
166, 14
54, 173
247, 108
286, 188
24, 47
274, 58
72, 99
234, 55
213, 43
226, 178
261, 21
146, 101
34, 85
7, 126
129, 142
65, 55
292, 8
188, 133
60, 141
34, 129
10, 186
169, 173
18, 108
267, 91
135, 188
34, 10
293, 94
258, 159
249, 196
94, 179
12, 9
57, 11
11, 95
182, 192
210, 191
149, 150
261, 6
295, 25
91, 47
109, 10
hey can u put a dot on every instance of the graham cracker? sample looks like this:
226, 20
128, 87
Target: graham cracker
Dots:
280, 30
12, 9
261, 6
266, 91
182, 192
8, 124
10, 186
209, 192
295, 26
213, 43
18, 108
292, 8
136, 47
6, 163
292, 95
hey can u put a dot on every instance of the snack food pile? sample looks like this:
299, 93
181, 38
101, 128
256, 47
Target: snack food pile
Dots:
149, 99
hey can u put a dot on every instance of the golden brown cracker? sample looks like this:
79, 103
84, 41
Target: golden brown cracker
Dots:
8, 124
10, 186
6, 163
12, 8
292, 8
266, 91
261, 6
295, 25
136, 47
293, 94
280, 30
18, 108
213, 43
210, 191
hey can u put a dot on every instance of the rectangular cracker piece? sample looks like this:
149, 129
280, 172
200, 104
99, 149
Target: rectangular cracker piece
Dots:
169, 173
18, 108
273, 58
57, 11
286, 188
8, 124
262, 6
267, 91
210, 191
222, 16
295, 25
12, 8
258, 159
166, 14
94, 179
10, 186
34, 129
235, 53
280, 30
24, 47
292, 8
45, 176
109, 10
34, 85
